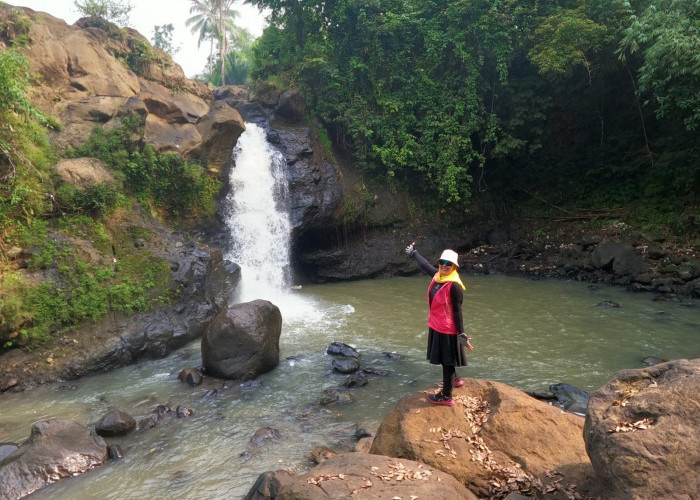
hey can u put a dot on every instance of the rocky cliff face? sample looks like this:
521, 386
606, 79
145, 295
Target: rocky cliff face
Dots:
93, 74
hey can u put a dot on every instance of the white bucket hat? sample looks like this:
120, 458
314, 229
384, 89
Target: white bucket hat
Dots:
451, 256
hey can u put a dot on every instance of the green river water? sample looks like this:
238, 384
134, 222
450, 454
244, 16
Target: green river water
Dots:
528, 334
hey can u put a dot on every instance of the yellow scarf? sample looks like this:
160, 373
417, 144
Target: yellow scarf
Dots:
451, 276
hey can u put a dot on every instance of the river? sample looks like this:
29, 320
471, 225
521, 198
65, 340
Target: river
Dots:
528, 334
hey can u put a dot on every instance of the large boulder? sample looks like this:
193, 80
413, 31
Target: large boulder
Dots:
618, 257
495, 439
243, 341
83, 172
220, 130
291, 106
641, 432
363, 476
56, 449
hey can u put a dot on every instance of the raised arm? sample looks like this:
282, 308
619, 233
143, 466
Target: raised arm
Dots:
426, 266
422, 261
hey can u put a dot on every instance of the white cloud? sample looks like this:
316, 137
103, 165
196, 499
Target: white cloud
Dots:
148, 13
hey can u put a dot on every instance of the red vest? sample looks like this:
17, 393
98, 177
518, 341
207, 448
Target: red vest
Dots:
441, 318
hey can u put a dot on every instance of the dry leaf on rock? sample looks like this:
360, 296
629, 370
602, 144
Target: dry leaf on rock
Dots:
645, 423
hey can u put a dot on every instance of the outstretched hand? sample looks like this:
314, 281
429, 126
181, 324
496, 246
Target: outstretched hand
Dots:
468, 339
410, 250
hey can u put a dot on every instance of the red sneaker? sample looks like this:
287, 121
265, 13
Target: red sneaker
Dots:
457, 383
441, 399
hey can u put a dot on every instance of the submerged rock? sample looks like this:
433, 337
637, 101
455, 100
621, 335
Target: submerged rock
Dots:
261, 436
331, 396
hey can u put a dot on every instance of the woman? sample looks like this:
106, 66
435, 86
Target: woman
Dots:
445, 325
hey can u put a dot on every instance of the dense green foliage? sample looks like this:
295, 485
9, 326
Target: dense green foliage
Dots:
80, 290
23, 147
667, 32
55, 237
586, 102
164, 180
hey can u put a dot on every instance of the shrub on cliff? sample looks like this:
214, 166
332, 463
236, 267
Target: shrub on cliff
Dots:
165, 181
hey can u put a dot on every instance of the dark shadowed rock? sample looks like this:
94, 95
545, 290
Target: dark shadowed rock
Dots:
192, 376
269, 485
618, 257
115, 423
115, 452
183, 411
56, 449
291, 106
243, 341
222, 280
570, 398
641, 432
357, 379
346, 365
341, 349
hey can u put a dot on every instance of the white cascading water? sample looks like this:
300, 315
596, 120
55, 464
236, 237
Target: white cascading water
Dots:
257, 217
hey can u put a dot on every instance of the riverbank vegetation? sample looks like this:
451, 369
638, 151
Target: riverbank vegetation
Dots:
60, 241
490, 108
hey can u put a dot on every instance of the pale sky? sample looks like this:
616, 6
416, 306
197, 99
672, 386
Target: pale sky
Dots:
148, 13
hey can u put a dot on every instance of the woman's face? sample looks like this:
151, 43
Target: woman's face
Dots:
445, 266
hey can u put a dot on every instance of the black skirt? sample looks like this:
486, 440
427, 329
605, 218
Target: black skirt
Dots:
446, 349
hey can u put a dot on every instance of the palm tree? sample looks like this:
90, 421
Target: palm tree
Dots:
214, 20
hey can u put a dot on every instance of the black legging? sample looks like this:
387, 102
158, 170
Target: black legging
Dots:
448, 376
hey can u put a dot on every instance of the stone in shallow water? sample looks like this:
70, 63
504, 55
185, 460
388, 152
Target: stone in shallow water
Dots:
56, 449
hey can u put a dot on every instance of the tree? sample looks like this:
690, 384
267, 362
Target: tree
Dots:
214, 20
666, 33
116, 11
163, 38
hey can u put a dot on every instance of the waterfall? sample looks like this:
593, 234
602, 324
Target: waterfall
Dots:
257, 217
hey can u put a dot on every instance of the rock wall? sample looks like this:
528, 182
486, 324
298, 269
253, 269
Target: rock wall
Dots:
82, 78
